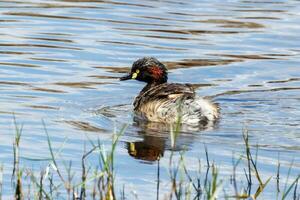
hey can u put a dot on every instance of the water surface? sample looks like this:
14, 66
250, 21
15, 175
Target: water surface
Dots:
60, 62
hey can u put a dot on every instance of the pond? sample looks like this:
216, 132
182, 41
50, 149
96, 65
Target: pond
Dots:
60, 62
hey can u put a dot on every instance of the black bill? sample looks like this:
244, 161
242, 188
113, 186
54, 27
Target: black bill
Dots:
127, 77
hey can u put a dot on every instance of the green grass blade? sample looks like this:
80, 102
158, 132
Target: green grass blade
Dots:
290, 188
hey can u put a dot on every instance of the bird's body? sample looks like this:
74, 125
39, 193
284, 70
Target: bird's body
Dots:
170, 102
160, 101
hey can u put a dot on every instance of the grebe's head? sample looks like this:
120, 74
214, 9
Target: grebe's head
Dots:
149, 70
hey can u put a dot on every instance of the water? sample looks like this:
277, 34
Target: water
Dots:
60, 62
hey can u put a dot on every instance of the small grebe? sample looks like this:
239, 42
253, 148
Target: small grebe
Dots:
160, 101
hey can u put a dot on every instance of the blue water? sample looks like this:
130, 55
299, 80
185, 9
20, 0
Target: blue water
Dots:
60, 62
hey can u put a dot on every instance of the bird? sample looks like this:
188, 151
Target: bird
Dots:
160, 101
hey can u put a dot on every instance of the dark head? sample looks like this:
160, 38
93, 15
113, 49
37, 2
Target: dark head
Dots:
149, 70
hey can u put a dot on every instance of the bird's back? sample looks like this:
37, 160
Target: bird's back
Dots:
170, 103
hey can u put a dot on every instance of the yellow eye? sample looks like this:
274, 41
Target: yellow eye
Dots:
134, 75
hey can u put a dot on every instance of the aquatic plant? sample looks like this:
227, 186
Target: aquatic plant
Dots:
58, 180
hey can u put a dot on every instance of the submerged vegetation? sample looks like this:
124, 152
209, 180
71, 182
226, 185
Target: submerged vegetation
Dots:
57, 180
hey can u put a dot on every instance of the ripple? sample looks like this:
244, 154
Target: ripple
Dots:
15, 53
112, 3
49, 59
234, 92
85, 85
233, 24
43, 107
85, 126
255, 57
273, 18
40, 46
31, 14
259, 10
48, 90
51, 39
19, 64
8, 20
14, 83
143, 45
186, 63
285, 81
182, 32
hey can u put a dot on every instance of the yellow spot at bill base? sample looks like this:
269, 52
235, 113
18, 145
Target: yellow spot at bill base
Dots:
134, 75
132, 149
132, 146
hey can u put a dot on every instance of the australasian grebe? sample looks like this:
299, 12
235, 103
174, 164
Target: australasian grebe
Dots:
160, 101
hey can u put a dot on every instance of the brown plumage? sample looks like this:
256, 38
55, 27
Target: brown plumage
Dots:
160, 101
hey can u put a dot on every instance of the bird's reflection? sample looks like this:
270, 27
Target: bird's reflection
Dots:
152, 139
150, 149
156, 139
